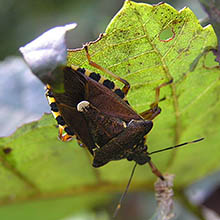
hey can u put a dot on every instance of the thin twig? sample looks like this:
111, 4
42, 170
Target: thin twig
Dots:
164, 197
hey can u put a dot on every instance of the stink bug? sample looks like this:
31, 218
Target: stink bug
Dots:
97, 112
93, 109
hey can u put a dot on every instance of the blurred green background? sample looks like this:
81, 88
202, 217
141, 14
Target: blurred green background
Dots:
22, 21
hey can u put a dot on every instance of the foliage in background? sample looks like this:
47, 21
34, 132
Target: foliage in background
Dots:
23, 20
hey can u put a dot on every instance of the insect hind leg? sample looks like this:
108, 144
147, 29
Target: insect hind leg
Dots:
155, 170
126, 87
64, 137
155, 110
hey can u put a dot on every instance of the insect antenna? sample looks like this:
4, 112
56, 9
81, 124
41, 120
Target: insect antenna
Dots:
133, 170
125, 192
176, 146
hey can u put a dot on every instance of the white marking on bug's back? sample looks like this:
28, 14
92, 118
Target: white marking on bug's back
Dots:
81, 107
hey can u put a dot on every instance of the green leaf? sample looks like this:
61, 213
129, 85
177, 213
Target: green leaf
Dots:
147, 45
133, 49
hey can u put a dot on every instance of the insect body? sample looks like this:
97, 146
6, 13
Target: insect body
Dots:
124, 139
105, 123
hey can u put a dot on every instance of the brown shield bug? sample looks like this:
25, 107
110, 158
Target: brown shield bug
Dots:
96, 111
107, 125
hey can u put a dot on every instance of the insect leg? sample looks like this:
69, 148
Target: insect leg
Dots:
80, 143
64, 137
155, 170
126, 87
155, 110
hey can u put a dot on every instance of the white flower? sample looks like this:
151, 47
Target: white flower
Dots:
48, 51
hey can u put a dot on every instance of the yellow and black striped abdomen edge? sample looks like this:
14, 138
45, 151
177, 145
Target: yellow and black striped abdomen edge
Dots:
55, 111
102, 80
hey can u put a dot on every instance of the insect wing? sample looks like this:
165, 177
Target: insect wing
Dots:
109, 103
75, 85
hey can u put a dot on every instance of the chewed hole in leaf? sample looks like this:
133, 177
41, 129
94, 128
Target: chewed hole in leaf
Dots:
209, 61
167, 34
7, 150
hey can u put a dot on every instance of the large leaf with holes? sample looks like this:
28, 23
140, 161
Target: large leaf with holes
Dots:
147, 46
